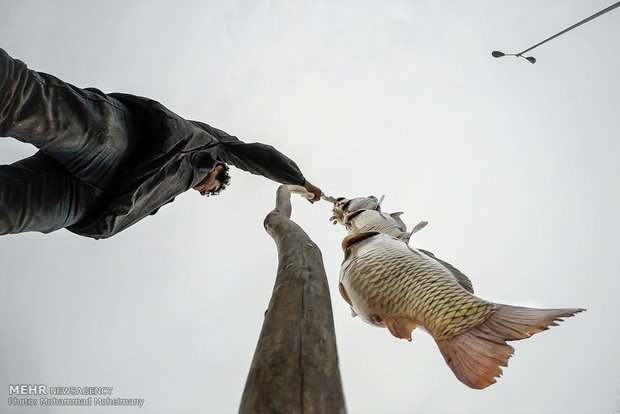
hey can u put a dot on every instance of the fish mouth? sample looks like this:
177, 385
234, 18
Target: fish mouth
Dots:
339, 210
337, 217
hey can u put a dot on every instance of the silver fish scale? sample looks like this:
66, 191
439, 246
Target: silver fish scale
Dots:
397, 281
371, 220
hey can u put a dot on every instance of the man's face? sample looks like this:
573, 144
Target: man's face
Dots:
209, 183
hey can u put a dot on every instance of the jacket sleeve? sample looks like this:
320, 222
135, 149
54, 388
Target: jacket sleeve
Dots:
257, 158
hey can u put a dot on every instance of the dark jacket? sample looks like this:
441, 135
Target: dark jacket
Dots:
172, 155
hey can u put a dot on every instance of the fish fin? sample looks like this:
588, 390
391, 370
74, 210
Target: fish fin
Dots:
476, 356
419, 227
401, 224
344, 294
400, 327
460, 277
416, 229
350, 216
351, 239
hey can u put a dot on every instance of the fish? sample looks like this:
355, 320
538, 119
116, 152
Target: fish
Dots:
364, 214
388, 283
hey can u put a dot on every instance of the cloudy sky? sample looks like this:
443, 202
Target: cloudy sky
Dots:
515, 166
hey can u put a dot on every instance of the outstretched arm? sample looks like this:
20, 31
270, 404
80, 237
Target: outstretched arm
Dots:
262, 159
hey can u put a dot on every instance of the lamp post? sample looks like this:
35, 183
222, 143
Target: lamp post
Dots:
498, 54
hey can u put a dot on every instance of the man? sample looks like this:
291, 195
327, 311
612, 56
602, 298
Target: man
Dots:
106, 161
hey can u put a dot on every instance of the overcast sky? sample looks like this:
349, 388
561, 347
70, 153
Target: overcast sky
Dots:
515, 166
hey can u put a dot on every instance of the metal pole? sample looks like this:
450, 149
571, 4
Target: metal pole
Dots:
498, 54
594, 16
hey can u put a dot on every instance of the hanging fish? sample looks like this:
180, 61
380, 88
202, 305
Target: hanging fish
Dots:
364, 214
390, 284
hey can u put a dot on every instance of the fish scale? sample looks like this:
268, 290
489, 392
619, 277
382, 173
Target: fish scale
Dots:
389, 284
386, 271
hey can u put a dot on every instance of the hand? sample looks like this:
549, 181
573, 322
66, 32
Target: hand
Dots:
314, 190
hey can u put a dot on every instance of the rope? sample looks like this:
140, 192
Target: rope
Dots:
297, 189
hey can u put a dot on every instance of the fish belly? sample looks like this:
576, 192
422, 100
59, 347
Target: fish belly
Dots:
385, 278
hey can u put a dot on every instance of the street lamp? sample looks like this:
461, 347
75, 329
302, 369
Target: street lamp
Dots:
498, 54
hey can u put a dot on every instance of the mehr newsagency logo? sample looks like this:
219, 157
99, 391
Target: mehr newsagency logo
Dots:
33, 395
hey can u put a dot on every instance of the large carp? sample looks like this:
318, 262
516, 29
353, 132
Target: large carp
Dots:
389, 283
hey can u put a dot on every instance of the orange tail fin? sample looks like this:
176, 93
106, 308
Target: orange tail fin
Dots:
476, 356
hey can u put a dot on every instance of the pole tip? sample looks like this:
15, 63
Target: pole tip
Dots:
497, 54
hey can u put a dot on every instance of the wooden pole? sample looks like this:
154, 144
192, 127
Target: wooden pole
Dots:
295, 366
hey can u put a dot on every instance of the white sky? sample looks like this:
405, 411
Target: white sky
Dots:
515, 166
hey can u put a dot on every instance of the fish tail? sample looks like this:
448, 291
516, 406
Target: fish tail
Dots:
476, 356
